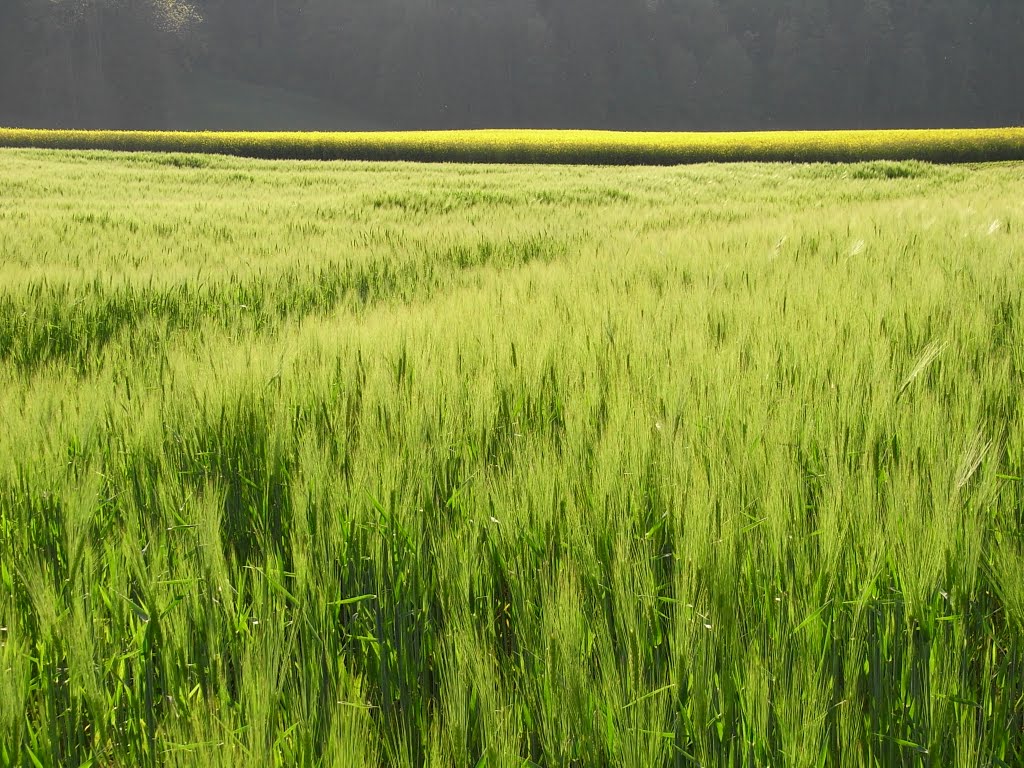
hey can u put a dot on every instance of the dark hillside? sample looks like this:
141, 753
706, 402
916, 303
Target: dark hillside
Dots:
410, 64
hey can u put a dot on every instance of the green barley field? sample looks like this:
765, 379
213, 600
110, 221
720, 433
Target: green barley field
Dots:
350, 464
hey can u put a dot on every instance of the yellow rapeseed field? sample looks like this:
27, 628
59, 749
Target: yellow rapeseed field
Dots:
545, 146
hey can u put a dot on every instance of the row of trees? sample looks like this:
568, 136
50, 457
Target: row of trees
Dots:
636, 64
92, 63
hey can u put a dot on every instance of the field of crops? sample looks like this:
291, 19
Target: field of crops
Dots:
355, 464
559, 147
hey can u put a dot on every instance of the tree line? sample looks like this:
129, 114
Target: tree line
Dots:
623, 64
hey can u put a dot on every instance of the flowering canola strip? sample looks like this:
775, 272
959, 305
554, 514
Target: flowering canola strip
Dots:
567, 147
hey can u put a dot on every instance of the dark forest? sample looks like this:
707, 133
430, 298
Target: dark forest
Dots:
421, 64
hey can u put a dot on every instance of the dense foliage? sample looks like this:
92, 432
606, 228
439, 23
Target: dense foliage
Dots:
625, 64
404, 465
565, 147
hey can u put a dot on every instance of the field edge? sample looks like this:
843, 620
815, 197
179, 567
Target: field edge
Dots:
570, 147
